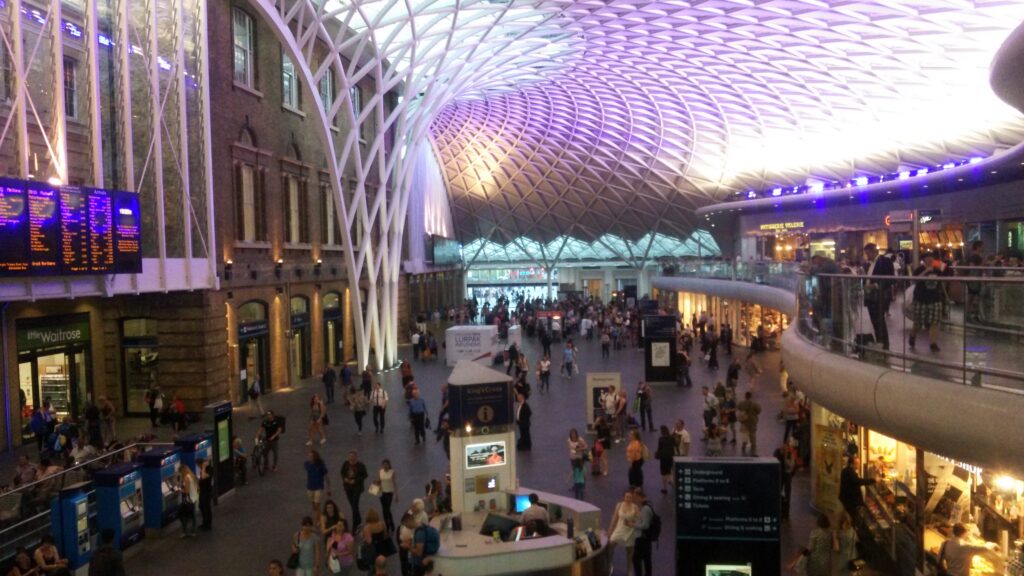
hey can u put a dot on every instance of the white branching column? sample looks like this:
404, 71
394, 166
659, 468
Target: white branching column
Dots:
415, 56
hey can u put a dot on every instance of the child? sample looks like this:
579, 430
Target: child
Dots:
714, 441
240, 459
578, 479
599, 463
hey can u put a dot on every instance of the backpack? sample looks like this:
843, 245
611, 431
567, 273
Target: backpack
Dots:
653, 531
431, 540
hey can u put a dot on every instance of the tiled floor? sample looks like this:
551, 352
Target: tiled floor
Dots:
256, 524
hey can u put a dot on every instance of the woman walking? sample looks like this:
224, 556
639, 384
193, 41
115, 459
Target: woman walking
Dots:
307, 545
340, 550
621, 528
330, 517
728, 415
375, 533
316, 420
388, 492
544, 372
819, 548
635, 453
359, 403
577, 448
844, 546
665, 453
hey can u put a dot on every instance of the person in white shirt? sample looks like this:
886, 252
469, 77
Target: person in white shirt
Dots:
956, 554
535, 513
415, 340
682, 439
609, 400
379, 402
710, 409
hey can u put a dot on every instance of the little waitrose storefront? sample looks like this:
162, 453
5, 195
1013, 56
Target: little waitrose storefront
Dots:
54, 363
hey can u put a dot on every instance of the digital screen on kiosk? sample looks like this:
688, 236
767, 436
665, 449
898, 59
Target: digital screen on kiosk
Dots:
485, 455
728, 570
48, 230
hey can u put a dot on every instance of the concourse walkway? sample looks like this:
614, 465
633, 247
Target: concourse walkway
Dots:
256, 524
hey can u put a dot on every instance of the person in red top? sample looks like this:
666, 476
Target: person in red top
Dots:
177, 413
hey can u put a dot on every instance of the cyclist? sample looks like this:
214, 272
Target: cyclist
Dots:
271, 429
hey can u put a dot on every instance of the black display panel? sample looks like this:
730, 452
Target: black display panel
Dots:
45, 230
446, 251
727, 514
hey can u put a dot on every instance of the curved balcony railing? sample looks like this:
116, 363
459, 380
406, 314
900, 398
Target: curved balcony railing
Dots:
979, 318
977, 336
777, 274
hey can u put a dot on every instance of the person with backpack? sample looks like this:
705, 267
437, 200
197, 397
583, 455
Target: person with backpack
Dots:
255, 392
426, 541
648, 529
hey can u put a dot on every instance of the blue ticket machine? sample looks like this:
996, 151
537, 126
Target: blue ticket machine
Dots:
119, 503
160, 494
72, 530
193, 447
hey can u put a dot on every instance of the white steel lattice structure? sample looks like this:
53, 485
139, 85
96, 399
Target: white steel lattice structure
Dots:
569, 125
112, 94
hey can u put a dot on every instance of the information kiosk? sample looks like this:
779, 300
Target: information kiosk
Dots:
72, 529
223, 464
160, 486
119, 503
193, 447
487, 501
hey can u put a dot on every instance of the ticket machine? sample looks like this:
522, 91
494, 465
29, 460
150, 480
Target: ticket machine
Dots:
119, 502
193, 447
72, 529
160, 494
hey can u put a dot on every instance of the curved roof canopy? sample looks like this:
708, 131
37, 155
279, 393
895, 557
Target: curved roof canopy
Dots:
667, 105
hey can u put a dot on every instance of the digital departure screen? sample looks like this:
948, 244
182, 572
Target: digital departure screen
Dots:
46, 230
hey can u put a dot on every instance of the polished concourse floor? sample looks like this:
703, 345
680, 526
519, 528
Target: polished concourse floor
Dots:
256, 524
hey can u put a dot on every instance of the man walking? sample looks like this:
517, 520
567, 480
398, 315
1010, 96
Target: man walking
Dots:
415, 341
329, 378
418, 415
642, 544
523, 416
379, 401
748, 412
878, 293
353, 478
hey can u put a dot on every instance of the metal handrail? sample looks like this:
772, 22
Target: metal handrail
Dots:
83, 465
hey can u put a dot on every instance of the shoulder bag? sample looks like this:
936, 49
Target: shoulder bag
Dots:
293, 560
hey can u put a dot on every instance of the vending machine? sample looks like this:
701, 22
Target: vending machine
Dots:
119, 502
160, 494
193, 447
73, 530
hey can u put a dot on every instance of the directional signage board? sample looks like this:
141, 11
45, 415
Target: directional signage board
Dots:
727, 514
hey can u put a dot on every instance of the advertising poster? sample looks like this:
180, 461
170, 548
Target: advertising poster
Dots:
597, 383
476, 343
829, 458
661, 354
485, 455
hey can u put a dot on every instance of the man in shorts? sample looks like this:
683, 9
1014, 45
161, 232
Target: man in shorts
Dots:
317, 479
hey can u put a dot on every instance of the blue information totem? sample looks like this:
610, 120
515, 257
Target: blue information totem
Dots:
160, 486
72, 530
193, 447
119, 502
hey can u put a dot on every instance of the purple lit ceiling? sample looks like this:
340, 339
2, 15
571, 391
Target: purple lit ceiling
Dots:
671, 105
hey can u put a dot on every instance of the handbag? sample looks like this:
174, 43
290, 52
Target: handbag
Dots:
334, 565
386, 547
293, 560
374, 489
426, 422
366, 556
326, 419
186, 509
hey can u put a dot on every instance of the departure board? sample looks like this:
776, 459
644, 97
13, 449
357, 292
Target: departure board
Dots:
46, 230
13, 223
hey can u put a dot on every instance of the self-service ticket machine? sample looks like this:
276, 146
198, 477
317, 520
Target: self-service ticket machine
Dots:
119, 502
193, 447
73, 531
160, 494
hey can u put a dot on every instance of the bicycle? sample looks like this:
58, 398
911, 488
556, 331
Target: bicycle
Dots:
260, 456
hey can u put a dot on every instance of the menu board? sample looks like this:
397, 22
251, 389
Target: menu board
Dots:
723, 498
46, 230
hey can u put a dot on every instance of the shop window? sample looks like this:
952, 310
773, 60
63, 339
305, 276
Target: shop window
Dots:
244, 47
252, 311
140, 356
70, 87
289, 83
